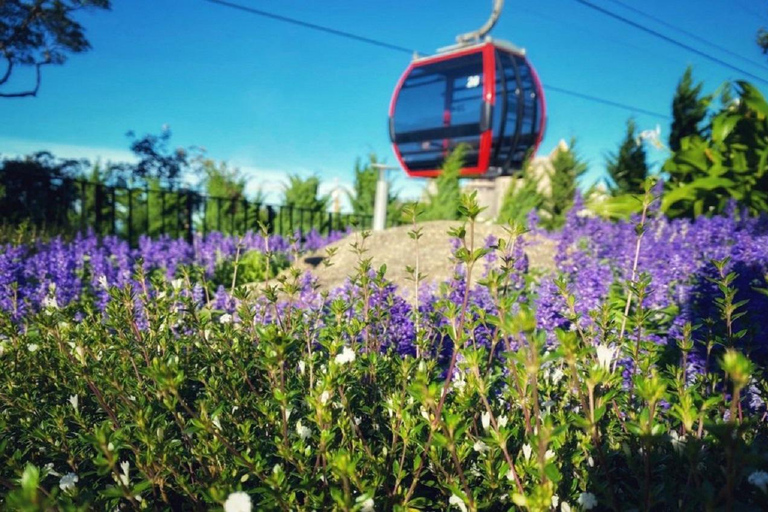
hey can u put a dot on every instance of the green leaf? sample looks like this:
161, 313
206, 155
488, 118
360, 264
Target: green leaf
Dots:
553, 473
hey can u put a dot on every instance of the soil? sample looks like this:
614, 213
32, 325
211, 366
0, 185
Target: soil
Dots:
395, 249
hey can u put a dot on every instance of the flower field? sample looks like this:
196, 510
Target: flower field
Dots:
633, 378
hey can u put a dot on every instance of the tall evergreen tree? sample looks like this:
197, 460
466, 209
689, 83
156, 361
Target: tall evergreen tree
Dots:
762, 40
627, 168
688, 110
304, 193
366, 177
567, 168
444, 204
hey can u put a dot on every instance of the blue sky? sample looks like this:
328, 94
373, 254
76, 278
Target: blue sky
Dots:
273, 98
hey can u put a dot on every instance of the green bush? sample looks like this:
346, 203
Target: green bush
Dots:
252, 267
292, 406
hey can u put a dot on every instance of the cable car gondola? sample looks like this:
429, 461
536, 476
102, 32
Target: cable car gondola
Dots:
482, 94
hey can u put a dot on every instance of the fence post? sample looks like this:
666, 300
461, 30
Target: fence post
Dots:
97, 202
218, 214
301, 222
270, 220
232, 205
189, 216
83, 201
205, 214
146, 224
245, 216
130, 216
162, 208
114, 207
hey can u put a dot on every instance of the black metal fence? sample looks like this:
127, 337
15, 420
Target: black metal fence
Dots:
67, 205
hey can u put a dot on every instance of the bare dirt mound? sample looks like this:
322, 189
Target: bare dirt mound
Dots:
395, 249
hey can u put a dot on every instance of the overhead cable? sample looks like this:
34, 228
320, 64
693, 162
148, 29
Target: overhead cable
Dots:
394, 47
670, 40
313, 26
689, 34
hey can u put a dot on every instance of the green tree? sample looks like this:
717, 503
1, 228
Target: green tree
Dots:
444, 203
762, 40
688, 109
36, 188
552, 202
729, 163
226, 207
302, 197
40, 33
521, 198
362, 200
567, 169
627, 168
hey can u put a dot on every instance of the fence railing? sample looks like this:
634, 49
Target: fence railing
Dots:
69, 205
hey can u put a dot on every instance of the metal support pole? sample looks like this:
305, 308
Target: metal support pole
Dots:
381, 197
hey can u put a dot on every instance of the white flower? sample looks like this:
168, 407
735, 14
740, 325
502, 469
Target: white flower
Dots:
302, 366
459, 384
458, 502
591, 462
73, 402
485, 419
238, 502
226, 318
50, 302
527, 451
68, 482
557, 375
324, 397
126, 467
502, 421
367, 506
587, 500
177, 284
304, 432
216, 422
759, 479
678, 442
80, 351
347, 355
605, 356
565, 507
103, 283
480, 447
555, 501
32, 347
424, 414
48, 469
510, 475
549, 455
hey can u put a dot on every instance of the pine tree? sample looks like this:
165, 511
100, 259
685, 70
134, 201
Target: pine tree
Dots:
366, 178
627, 168
521, 197
567, 169
688, 110
444, 204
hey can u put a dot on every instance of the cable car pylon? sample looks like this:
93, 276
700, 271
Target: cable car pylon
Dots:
480, 92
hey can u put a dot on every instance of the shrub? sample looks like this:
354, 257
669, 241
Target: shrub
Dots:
580, 389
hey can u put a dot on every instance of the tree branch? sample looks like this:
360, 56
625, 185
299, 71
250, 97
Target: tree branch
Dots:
8, 70
32, 92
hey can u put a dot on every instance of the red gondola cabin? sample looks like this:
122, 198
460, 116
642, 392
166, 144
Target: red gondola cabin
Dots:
487, 96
